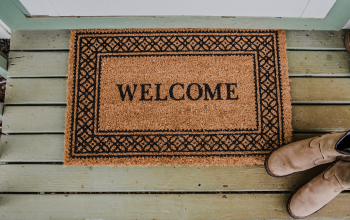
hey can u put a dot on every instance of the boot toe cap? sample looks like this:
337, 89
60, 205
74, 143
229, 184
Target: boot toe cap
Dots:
277, 165
297, 208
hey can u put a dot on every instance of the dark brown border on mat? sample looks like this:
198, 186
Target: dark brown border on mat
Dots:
176, 160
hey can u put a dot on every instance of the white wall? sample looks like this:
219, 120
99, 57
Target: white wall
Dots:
5, 32
347, 26
251, 8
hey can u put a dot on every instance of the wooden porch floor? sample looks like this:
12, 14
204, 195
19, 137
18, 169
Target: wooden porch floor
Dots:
35, 185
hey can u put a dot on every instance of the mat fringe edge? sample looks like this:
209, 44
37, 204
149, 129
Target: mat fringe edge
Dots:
286, 97
169, 161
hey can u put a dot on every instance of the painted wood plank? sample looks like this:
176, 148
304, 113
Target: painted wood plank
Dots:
3, 60
40, 40
11, 14
59, 40
33, 119
301, 63
3, 65
51, 119
53, 90
59, 178
302, 136
319, 118
318, 63
21, 7
36, 91
50, 147
1, 111
32, 148
320, 90
38, 64
163, 206
315, 40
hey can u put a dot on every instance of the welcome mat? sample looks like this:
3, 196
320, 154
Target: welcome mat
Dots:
176, 96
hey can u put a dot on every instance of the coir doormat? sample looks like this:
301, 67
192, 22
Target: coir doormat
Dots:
176, 96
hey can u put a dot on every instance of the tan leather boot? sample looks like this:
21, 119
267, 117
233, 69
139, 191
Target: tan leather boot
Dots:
320, 191
305, 154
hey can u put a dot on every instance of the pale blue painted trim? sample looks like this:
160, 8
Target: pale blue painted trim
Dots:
21, 7
3, 65
3, 73
1, 111
15, 19
10, 14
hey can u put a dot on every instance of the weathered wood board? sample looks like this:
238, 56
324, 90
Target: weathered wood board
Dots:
161, 206
59, 40
59, 178
319, 63
301, 63
51, 119
38, 64
49, 147
53, 90
319, 68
